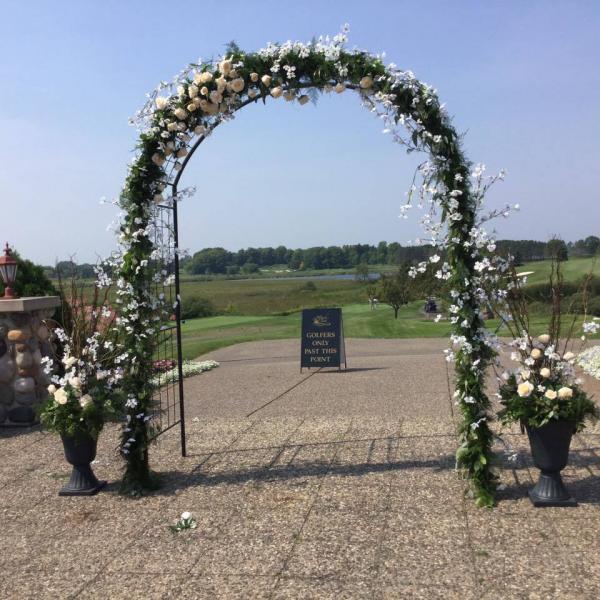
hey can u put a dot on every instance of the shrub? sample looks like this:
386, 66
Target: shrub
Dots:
309, 286
197, 307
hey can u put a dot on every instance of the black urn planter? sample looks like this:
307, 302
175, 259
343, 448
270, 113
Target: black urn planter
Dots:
550, 451
80, 451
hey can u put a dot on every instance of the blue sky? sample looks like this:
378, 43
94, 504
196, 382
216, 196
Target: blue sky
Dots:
520, 78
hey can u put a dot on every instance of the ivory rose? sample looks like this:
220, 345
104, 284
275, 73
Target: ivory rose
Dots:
193, 91
201, 78
60, 396
237, 85
221, 84
161, 102
339, 88
266, 80
158, 159
565, 392
85, 400
524, 390
545, 372
536, 353
51, 388
252, 93
366, 82
550, 394
216, 97
182, 152
204, 90
225, 66
254, 77
200, 130
191, 107
544, 338
276, 92
569, 356
180, 113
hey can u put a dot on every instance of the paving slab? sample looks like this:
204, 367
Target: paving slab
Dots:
320, 484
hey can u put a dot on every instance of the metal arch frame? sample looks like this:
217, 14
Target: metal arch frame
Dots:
174, 190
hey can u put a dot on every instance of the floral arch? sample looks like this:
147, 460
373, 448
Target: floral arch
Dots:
179, 116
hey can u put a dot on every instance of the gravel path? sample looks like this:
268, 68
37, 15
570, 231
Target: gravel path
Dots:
310, 485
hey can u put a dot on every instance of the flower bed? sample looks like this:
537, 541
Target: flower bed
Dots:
589, 361
189, 368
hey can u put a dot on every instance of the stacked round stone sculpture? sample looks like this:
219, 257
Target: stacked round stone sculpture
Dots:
24, 340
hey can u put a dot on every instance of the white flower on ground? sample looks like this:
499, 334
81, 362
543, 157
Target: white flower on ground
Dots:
565, 392
524, 390
544, 338
550, 394
186, 515
545, 372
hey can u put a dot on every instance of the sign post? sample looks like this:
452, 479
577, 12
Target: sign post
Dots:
323, 342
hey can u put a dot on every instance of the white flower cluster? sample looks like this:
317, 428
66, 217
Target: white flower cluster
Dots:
589, 361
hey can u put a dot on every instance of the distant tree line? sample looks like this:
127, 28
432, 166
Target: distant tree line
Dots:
248, 260
212, 261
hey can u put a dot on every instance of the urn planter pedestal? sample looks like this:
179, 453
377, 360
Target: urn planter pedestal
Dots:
550, 451
80, 451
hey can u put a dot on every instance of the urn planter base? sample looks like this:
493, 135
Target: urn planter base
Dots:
551, 491
550, 451
80, 451
83, 482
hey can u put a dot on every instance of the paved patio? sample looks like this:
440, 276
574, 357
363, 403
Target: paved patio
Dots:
312, 485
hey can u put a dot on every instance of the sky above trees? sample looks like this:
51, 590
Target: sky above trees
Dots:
521, 80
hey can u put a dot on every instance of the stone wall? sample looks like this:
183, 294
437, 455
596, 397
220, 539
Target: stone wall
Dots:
24, 340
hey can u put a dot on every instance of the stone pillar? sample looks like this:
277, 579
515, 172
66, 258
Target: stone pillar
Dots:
23, 343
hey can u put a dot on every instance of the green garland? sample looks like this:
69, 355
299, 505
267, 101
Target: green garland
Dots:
201, 102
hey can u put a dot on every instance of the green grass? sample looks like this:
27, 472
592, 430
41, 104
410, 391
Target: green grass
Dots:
573, 269
273, 296
203, 335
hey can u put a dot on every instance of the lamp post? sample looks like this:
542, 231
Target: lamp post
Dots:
8, 272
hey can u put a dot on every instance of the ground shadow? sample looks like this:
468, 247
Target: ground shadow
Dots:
13, 431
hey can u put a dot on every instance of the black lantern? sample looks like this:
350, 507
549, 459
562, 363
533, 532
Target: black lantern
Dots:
8, 272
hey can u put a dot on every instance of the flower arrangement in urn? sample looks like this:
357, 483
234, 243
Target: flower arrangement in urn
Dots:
84, 391
543, 393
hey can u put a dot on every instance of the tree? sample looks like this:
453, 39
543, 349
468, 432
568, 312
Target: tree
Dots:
362, 272
591, 244
31, 279
557, 249
210, 260
395, 289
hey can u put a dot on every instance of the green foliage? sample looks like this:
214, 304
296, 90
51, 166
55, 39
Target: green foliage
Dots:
537, 410
70, 412
31, 279
396, 289
197, 307
557, 249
